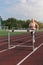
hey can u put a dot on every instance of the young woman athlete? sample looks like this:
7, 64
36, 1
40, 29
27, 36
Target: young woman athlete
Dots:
32, 28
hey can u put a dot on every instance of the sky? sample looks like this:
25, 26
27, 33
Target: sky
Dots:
22, 9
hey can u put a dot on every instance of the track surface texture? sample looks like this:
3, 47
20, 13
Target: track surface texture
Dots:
19, 54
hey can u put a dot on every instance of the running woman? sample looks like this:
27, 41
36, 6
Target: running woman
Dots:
32, 27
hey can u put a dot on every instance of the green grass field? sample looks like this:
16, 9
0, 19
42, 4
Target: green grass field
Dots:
5, 33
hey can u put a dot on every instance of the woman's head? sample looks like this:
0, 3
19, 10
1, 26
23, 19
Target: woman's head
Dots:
32, 19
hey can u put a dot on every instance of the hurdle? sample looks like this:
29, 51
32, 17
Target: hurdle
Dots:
20, 45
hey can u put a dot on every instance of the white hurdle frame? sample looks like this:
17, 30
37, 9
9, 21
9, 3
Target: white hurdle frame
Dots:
33, 41
33, 38
8, 40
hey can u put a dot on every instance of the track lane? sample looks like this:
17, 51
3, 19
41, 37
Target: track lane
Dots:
35, 59
12, 57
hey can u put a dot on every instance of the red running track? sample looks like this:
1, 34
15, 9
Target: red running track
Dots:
15, 55
36, 58
18, 39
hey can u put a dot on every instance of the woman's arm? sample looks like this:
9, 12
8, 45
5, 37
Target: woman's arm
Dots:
37, 25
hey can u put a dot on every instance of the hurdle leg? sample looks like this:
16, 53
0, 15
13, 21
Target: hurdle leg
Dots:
33, 40
8, 40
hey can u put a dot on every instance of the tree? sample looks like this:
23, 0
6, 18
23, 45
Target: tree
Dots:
12, 22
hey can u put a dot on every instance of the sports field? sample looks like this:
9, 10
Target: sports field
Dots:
20, 51
5, 33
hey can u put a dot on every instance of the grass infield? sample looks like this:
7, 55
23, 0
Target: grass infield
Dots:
5, 33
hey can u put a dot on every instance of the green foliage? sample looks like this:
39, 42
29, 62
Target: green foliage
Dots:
12, 22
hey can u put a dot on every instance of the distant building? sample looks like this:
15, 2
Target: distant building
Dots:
0, 22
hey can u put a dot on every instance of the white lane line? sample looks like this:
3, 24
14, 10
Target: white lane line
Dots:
7, 49
14, 46
3, 50
25, 41
29, 54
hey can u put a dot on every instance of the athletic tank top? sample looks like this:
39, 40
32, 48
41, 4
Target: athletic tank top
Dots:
32, 26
